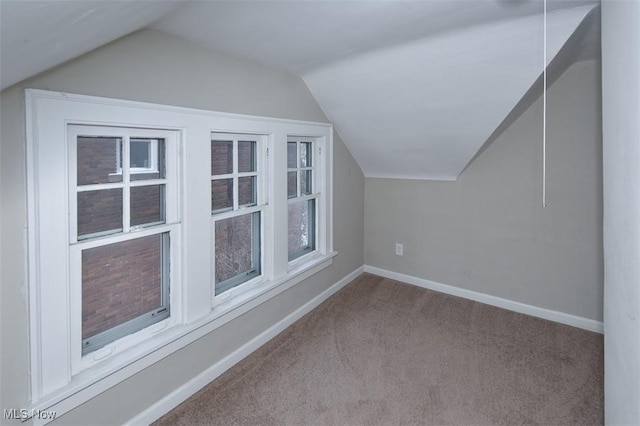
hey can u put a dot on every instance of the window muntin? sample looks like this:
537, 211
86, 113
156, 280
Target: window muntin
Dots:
123, 278
301, 198
110, 203
60, 375
237, 205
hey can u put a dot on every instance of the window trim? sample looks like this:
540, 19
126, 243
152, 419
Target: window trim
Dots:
53, 384
130, 327
318, 188
243, 281
135, 330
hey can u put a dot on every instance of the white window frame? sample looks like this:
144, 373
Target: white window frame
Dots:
170, 225
58, 381
261, 207
315, 194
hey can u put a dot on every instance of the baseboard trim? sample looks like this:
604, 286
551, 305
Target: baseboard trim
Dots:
560, 317
183, 392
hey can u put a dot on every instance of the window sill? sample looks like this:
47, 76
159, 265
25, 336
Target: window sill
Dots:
120, 366
312, 265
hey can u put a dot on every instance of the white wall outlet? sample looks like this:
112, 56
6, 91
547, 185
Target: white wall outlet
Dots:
399, 249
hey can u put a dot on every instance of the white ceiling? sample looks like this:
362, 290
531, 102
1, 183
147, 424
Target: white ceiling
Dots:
37, 35
414, 88
422, 110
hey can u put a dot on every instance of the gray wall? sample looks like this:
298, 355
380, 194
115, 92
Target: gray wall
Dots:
621, 138
154, 67
487, 231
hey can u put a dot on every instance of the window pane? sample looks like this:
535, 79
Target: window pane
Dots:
291, 155
301, 228
246, 156
221, 194
147, 205
221, 157
237, 250
140, 154
120, 282
247, 191
305, 182
147, 159
305, 154
292, 185
99, 212
97, 159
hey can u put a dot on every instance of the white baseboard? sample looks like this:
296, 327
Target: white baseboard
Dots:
180, 394
560, 317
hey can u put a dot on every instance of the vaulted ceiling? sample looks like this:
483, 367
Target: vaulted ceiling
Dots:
414, 88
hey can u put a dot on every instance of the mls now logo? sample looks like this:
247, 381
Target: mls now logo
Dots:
24, 414
16, 414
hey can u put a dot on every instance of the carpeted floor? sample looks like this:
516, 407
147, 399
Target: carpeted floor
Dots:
380, 352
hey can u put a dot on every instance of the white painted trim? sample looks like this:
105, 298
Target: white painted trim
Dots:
74, 394
54, 387
511, 305
180, 394
32, 252
104, 100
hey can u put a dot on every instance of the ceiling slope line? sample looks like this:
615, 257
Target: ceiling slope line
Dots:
580, 46
422, 111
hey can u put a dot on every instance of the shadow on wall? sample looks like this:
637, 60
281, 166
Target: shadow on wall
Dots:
584, 44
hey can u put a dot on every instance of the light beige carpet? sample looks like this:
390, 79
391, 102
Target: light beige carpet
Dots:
380, 352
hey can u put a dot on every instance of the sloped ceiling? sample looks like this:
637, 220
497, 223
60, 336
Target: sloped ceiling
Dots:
414, 88
38, 35
407, 116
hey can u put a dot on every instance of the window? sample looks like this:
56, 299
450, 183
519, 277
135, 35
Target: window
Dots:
145, 235
143, 156
125, 288
237, 204
123, 274
301, 198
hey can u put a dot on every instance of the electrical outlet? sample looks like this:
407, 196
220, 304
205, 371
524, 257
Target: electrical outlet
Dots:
399, 249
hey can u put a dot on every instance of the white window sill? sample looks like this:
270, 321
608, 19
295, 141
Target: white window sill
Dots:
119, 366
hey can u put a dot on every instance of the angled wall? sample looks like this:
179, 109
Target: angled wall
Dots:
488, 232
445, 94
154, 67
